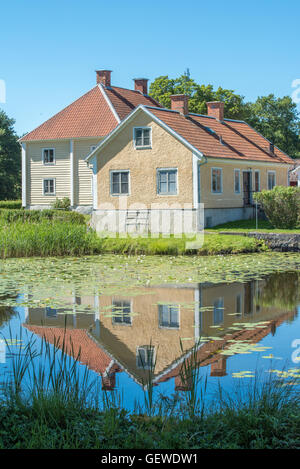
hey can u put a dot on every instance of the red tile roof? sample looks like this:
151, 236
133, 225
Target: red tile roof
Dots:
226, 139
77, 342
90, 115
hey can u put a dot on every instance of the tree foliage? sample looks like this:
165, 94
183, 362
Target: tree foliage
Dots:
10, 160
275, 118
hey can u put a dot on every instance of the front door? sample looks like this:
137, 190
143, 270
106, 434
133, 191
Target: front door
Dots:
247, 187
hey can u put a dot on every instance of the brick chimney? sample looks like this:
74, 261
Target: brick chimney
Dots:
104, 77
180, 102
215, 109
141, 85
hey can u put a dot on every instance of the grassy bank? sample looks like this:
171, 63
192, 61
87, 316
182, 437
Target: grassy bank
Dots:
243, 226
52, 424
53, 237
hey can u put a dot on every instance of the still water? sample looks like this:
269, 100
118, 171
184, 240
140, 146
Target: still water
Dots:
238, 316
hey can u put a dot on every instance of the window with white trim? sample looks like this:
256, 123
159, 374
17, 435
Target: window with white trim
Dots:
168, 316
216, 180
218, 311
257, 181
49, 186
237, 181
167, 181
121, 310
271, 180
142, 137
145, 357
48, 156
119, 182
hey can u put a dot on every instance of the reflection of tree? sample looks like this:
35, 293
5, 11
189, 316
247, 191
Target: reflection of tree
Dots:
6, 312
281, 290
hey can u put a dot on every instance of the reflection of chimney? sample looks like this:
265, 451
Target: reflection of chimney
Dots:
218, 368
180, 102
103, 77
215, 109
141, 85
182, 385
109, 382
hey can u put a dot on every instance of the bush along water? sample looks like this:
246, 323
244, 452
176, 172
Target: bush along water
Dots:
281, 206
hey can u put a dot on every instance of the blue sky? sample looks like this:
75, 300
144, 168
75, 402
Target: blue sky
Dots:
50, 49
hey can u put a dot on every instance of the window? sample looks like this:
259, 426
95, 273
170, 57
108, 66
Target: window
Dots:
237, 183
51, 312
168, 316
145, 357
142, 137
218, 311
119, 182
121, 312
271, 180
167, 181
238, 305
49, 186
256, 181
48, 156
216, 180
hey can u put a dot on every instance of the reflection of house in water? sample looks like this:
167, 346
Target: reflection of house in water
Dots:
159, 325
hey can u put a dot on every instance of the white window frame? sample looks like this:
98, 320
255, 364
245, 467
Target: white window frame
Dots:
146, 366
218, 307
43, 156
239, 173
271, 172
211, 180
46, 194
121, 323
164, 194
141, 147
257, 171
169, 305
111, 172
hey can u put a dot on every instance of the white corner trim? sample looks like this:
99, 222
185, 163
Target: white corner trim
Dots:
72, 173
95, 183
195, 181
24, 176
109, 103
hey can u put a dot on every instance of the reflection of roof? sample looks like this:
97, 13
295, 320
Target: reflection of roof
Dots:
77, 342
209, 353
94, 114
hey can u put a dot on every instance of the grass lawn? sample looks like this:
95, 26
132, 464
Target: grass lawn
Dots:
242, 226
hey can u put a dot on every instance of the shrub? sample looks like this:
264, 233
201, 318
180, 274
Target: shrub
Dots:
281, 206
64, 204
33, 216
11, 204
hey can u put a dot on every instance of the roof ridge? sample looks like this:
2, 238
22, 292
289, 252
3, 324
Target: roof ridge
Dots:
110, 104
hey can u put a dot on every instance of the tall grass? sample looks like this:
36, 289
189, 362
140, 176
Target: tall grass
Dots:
51, 403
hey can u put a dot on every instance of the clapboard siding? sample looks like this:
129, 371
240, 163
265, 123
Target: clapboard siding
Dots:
83, 174
37, 171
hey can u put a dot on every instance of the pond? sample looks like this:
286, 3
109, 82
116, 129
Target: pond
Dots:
134, 320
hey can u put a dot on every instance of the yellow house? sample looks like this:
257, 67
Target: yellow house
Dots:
167, 161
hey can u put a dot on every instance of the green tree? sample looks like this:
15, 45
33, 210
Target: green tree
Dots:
163, 87
10, 160
277, 119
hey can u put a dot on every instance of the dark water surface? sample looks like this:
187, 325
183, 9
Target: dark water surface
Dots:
237, 316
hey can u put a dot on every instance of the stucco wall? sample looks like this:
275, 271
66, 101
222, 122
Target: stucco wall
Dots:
228, 198
166, 152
